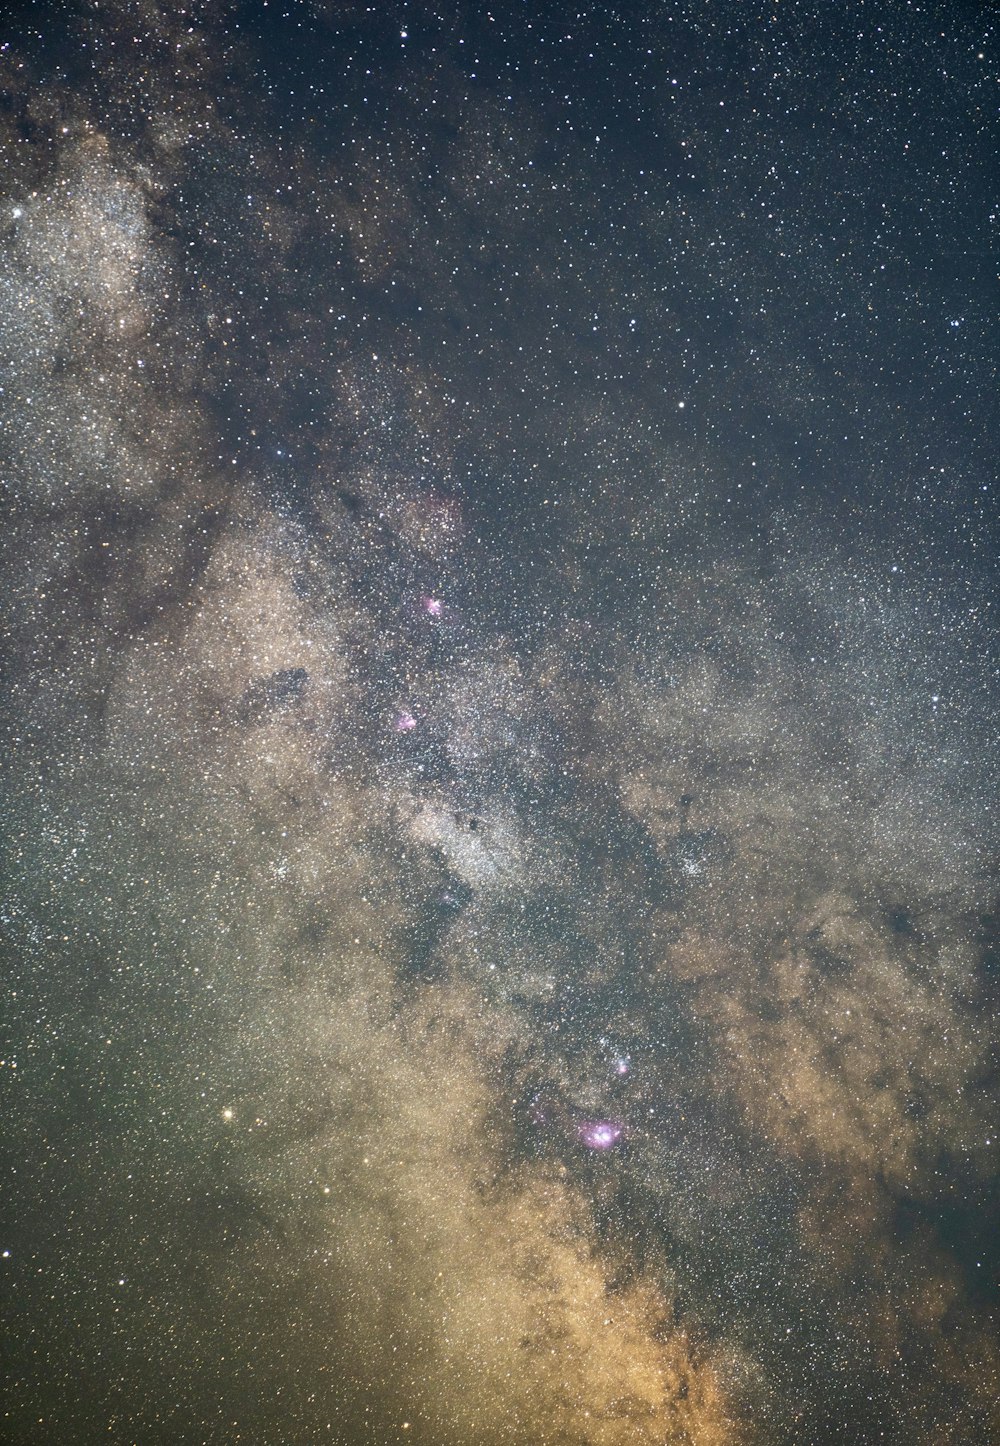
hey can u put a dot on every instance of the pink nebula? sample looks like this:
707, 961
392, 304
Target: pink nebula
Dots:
599, 1134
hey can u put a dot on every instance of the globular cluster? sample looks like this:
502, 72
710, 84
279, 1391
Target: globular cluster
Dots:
499, 790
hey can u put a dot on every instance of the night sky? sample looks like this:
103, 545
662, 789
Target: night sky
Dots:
498, 732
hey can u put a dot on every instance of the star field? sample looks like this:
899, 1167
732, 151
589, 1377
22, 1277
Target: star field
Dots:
499, 887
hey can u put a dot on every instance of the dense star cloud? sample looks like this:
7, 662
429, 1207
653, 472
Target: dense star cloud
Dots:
499, 794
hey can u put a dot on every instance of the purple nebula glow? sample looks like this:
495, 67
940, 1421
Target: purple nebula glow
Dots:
599, 1134
405, 722
432, 606
622, 1065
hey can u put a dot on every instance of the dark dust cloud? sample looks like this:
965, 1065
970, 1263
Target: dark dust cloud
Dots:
499, 776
